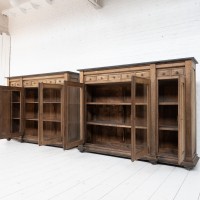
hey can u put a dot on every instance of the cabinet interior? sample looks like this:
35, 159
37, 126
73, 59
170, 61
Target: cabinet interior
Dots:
168, 117
109, 115
15, 111
51, 115
31, 113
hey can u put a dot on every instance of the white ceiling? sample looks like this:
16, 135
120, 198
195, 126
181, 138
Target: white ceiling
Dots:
4, 4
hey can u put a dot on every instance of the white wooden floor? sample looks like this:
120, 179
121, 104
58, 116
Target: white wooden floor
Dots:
29, 172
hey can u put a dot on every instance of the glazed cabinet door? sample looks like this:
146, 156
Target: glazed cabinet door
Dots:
140, 117
11, 112
73, 96
181, 121
51, 114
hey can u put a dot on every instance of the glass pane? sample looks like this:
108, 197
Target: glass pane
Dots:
141, 93
141, 140
52, 95
73, 114
168, 90
141, 116
52, 131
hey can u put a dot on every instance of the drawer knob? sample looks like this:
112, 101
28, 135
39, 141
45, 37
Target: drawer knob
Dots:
114, 77
163, 73
141, 74
176, 72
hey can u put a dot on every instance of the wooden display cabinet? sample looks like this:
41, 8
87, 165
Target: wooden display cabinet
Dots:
38, 109
141, 111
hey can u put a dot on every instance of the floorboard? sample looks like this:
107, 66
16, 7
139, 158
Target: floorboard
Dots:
28, 171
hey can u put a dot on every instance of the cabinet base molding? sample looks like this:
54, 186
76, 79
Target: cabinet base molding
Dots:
190, 164
102, 149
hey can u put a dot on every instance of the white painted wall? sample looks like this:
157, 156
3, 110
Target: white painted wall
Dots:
72, 34
4, 49
4, 58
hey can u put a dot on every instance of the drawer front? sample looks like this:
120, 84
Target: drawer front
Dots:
30, 83
142, 74
27, 83
164, 72
51, 81
102, 78
59, 81
176, 72
90, 78
114, 77
34, 83
42, 81
127, 76
15, 84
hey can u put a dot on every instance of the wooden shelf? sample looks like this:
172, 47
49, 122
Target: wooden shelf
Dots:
168, 128
141, 104
111, 104
17, 118
51, 120
31, 119
140, 127
36, 102
51, 102
15, 102
168, 103
100, 123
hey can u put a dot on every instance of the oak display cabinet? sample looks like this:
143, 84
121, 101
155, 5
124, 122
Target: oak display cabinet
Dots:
40, 109
141, 111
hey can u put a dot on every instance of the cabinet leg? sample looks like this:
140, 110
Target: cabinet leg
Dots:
153, 162
188, 167
8, 139
81, 148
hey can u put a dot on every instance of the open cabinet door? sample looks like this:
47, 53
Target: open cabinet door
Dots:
5, 113
51, 114
11, 112
73, 96
181, 119
140, 117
